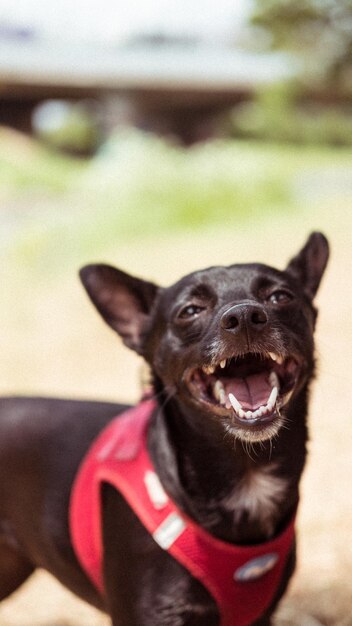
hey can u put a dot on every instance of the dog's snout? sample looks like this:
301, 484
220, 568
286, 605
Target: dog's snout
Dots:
249, 316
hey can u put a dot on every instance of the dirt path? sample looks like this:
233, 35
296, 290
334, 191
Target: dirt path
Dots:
82, 355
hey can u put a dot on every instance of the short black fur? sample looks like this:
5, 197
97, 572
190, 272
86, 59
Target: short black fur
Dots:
236, 476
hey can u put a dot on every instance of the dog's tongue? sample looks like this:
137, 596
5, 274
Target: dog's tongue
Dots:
252, 391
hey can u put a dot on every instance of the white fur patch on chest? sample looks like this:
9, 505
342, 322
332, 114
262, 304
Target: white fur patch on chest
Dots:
258, 496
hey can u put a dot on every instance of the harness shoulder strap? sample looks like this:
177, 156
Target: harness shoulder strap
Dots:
242, 579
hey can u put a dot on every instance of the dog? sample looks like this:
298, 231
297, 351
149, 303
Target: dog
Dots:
224, 434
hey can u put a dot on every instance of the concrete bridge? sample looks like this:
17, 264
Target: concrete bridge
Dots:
167, 87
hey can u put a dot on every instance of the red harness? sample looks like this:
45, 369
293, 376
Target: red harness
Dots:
243, 580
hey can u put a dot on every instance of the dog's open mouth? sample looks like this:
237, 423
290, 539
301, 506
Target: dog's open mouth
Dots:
251, 388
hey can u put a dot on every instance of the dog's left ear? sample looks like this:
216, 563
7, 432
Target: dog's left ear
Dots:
309, 264
123, 301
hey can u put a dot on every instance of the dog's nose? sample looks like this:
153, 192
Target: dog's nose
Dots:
247, 315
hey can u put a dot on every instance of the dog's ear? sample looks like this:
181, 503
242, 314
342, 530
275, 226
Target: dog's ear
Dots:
309, 264
124, 301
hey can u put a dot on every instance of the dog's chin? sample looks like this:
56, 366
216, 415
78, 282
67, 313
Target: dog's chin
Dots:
248, 394
260, 431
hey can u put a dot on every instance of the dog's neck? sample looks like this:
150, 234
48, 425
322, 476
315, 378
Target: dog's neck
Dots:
241, 493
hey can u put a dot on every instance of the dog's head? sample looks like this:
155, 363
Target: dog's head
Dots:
234, 344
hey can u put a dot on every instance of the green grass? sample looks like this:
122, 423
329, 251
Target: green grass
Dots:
140, 186
26, 166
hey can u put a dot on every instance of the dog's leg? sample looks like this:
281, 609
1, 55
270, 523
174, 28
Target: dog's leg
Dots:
144, 585
14, 569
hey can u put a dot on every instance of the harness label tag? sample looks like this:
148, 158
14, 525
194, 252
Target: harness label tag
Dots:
256, 568
169, 530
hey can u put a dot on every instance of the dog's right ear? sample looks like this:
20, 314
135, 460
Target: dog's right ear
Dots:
123, 301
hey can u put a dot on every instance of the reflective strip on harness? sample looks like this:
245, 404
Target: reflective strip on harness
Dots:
243, 580
169, 530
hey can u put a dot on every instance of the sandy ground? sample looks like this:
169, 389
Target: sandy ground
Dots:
55, 344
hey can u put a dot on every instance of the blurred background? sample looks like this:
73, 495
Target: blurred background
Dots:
161, 137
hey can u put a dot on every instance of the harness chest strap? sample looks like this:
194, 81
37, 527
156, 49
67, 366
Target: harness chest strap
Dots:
243, 580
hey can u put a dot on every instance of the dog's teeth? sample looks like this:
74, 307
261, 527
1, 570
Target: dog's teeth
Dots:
276, 357
218, 386
222, 397
235, 403
272, 398
219, 392
273, 395
223, 363
274, 380
259, 412
208, 369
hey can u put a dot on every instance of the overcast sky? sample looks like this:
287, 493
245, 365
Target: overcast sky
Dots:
108, 21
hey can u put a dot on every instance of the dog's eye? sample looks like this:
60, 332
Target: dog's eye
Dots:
190, 311
281, 296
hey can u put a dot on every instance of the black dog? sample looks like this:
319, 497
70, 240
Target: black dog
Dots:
231, 352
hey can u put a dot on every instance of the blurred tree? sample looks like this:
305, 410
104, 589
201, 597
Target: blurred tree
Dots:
320, 31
